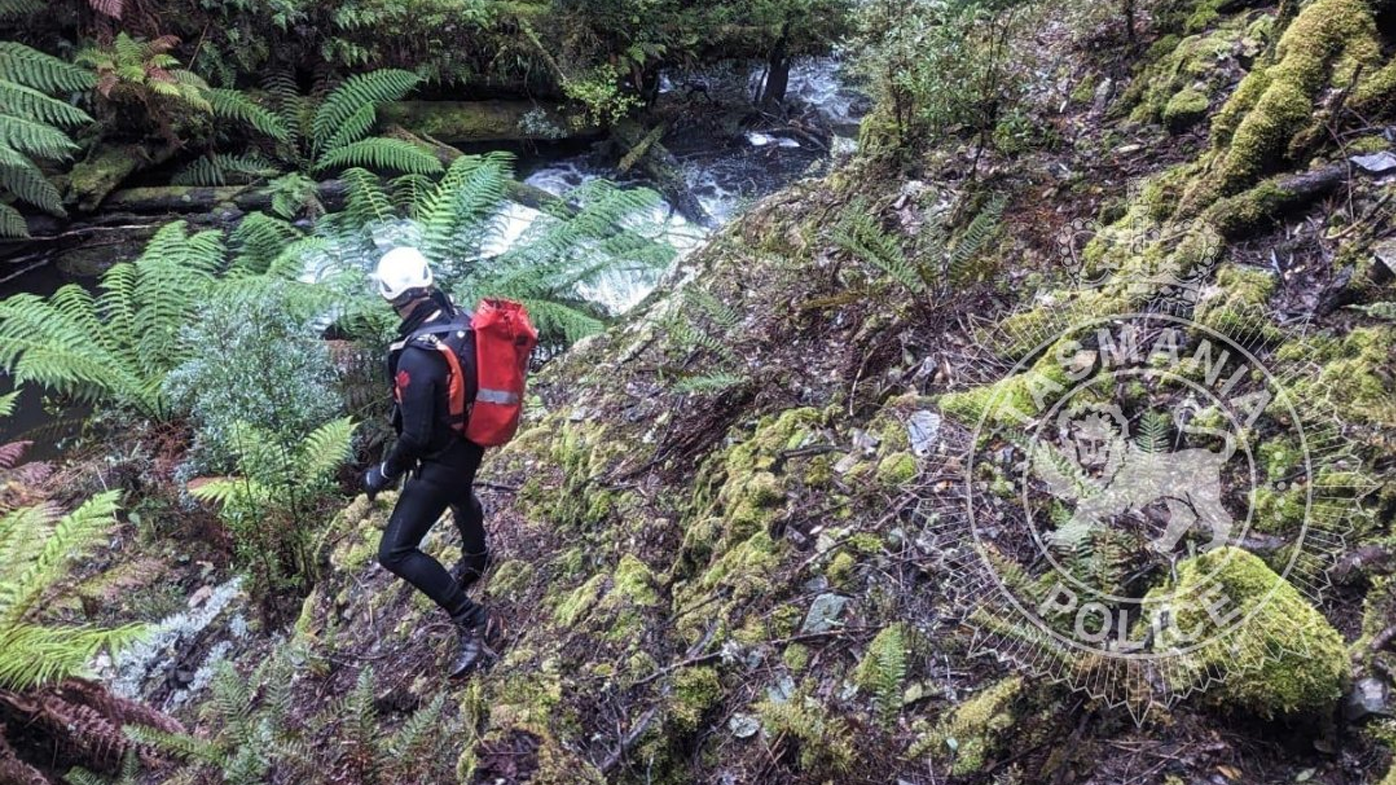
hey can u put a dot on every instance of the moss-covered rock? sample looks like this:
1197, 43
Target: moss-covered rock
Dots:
1273, 653
1185, 109
1236, 306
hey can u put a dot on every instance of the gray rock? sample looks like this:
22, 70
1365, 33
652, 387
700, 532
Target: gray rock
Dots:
923, 429
1375, 163
781, 691
743, 726
1369, 696
1385, 253
824, 612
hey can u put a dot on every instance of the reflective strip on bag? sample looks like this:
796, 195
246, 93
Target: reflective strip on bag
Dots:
502, 397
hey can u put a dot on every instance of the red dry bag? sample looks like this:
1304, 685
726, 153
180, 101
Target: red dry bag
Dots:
504, 339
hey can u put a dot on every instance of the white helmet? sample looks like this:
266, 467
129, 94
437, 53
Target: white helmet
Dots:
402, 270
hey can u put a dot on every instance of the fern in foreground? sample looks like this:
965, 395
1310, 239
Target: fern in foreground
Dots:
37, 547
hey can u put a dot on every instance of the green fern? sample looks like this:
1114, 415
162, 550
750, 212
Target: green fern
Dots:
235, 105
960, 264
32, 126
37, 547
859, 234
371, 90
380, 153
1154, 432
882, 672
719, 381
218, 168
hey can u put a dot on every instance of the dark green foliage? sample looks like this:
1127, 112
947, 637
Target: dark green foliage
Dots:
32, 126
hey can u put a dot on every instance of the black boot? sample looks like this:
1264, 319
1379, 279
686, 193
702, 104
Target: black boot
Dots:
472, 648
470, 569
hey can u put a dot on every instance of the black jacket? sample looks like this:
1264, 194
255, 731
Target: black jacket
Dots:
420, 382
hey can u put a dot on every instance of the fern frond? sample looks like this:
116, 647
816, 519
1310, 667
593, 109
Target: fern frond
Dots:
235, 105
9, 8
32, 68
981, 229
216, 168
1154, 430
74, 535
7, 408
392, 155
861, 236
710, 383
371, 89
326, 449
366, 202
12, 223
16, 98
21, 177
723, 314
34, 138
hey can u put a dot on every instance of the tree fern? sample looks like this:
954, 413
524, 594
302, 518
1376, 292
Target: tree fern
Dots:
29, 67
371, 89
380, 153
235, 105
220, 168
32, 126
37, 546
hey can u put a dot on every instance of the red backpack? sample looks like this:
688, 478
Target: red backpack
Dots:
503, 340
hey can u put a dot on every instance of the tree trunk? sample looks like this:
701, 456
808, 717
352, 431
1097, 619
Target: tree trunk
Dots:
489, 121
777, 71
90, 181
663, 170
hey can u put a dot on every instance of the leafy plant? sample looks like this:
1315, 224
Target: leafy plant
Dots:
257, 739
272, 506
938, 259
883, 670
313, 135
118, 346
32, 126
260, 362
136, 72
573, 245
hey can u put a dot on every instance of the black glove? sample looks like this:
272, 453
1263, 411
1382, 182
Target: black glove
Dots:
376, 480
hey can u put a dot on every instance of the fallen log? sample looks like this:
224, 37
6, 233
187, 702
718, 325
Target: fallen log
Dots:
90, 181
663, 169
514, 190
458, 122
1237, 216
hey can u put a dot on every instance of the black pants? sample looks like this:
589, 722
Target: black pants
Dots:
427, 493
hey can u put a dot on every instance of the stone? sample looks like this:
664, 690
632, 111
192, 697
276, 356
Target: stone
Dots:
1368, 696
743, 726
1375, 163
1385, 254
923, 429
824, 613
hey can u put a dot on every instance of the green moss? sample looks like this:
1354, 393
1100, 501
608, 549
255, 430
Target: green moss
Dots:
1239, 215
511, 577
1284, 659
634, 582
1325, 44
1279, 457
824, 741
579, 602
897, 470
1354, 374
1015, 398
974, 731
796, 657
1237, 307
695, 692
841, 570
1185, 108
1372, 143
1376, 92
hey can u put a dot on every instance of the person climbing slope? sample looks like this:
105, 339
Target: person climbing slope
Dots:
436, 375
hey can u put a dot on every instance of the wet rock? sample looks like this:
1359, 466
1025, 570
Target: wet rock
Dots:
1368, 696
1375, 163
824, 613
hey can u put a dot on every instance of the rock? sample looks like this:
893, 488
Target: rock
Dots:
197, 598
1368, 696
923, 429
781, 691
743, 726
1375, 163
824, 612
1100, 100
1385, 254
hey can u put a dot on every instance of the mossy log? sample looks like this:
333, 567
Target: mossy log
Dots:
91, 180
489, 121
1236, 216
663, 169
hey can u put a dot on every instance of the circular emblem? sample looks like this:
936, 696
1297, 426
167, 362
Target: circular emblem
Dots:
1114, 453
